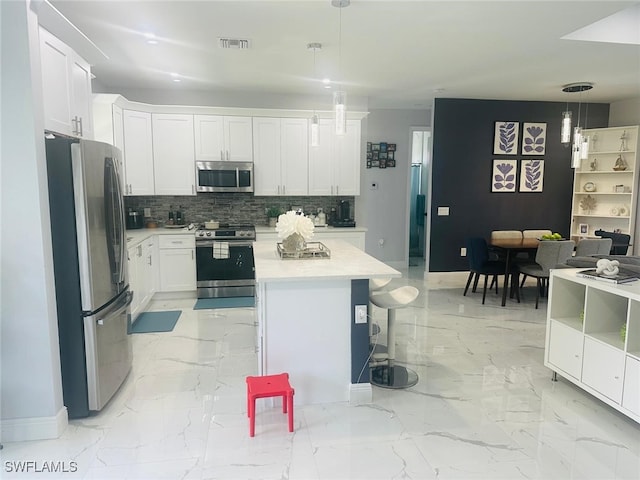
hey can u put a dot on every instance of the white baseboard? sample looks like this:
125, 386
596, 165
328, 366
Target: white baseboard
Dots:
360, 393
34, 428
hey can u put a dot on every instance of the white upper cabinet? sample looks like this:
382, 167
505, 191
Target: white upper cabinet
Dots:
173, 154
66, 82
223, 138
334, 166
138, 153
280, 147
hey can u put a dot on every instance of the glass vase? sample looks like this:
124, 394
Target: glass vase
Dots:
294, 243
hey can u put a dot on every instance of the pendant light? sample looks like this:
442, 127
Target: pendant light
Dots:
580, 146
340, 96
315, 121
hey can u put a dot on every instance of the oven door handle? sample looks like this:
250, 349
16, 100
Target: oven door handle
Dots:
232, 243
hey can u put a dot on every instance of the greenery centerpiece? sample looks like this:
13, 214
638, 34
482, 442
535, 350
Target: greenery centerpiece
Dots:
272, 214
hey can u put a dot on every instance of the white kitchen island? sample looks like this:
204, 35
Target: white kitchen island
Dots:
306, 320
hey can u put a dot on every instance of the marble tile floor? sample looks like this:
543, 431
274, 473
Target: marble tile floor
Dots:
484, 408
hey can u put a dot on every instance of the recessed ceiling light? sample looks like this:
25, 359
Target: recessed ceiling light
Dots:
151, 38
175, 77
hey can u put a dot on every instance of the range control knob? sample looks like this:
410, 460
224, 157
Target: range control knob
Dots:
208, 234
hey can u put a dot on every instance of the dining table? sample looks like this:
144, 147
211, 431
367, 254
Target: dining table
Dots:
511, 247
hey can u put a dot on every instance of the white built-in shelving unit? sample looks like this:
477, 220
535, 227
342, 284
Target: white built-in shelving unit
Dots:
609, 180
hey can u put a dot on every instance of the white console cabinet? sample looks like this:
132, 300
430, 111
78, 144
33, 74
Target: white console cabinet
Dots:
585, 342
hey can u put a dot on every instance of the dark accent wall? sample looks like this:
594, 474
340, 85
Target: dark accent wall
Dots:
461, 174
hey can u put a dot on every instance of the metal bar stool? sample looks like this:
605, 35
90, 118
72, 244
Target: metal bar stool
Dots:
269, 386
384, 372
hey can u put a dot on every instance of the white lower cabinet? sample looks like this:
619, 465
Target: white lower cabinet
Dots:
631, 390
593, 338
177, 262
603, 368
565, 348
142, 274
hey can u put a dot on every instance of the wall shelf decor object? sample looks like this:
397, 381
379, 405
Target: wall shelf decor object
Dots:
503, 176
381, 155
505, 138
605, 194
531, 175
534, 138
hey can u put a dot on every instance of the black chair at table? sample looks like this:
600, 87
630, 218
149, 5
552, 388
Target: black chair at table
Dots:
620, 241
480, 264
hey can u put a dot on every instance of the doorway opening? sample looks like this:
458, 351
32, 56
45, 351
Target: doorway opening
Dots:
420, 148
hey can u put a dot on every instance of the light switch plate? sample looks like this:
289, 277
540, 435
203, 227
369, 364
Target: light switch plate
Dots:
361, 314
443, 211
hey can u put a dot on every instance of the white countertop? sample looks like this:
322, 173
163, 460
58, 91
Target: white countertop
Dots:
134, 237
346, 262
316, 230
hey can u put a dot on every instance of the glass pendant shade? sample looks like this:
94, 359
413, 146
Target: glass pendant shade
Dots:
565, 132
584, 147
315, 131
340, 112
576, 157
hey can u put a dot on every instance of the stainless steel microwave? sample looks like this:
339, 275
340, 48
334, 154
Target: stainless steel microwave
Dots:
225, 176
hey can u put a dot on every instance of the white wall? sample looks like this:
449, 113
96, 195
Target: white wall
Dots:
385, 211
625, 112
31, 396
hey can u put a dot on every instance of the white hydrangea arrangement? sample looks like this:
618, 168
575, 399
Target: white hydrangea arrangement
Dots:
290, 223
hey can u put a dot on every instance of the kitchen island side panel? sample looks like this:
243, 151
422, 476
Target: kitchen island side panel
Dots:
359, 333
306, 332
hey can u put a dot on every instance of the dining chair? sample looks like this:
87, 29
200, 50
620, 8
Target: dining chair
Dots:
480, 264
620, 241
506, 234
593, 246
497, 254
535, 233
550, 254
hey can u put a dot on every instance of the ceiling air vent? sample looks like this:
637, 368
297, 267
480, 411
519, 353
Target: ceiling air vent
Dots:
238, 43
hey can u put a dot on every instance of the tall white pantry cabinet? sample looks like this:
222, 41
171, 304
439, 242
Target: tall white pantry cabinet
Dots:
605, 187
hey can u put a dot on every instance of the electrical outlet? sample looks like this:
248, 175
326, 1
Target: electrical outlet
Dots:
361, 314
463, 252
147, 212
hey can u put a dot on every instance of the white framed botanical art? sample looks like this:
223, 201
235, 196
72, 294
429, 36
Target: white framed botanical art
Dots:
503, 175
531, 175
534, 138
505, 138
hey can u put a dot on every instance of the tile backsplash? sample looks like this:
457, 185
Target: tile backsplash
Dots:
238, 208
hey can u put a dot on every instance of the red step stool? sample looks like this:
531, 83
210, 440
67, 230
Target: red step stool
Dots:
265, 387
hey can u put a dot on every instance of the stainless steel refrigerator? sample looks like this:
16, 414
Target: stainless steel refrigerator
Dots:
90, 269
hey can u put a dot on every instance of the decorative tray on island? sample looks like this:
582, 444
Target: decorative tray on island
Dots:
311, 251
